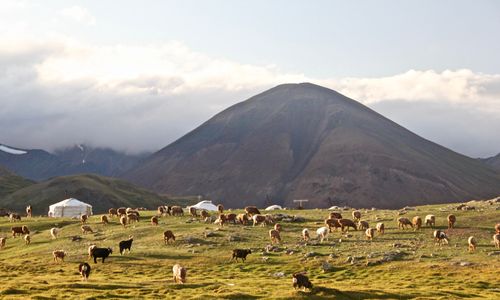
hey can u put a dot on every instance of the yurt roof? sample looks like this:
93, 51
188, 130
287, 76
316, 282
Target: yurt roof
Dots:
70, 202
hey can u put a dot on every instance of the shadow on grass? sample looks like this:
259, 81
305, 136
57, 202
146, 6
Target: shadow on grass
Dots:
327, 293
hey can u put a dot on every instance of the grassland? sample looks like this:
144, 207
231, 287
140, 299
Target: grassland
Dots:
421, 269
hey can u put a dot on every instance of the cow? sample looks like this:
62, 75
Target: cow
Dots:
240, 253
84, 270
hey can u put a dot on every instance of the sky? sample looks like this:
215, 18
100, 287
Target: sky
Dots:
137, 75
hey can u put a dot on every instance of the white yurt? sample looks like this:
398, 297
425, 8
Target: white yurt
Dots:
206, 205
274, 207
70, 208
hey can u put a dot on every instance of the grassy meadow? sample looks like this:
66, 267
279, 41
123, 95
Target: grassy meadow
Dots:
418, 268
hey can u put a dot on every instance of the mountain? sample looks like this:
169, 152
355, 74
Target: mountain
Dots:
38, 164
101, 192
10, 182
493, 161
303, 141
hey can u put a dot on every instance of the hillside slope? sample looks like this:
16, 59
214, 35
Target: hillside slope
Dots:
10, 182
493, 162
299, 141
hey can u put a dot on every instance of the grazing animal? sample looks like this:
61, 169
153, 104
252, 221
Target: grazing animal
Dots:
472, 244
356, 215
204, 214
243, 219
277, 227
274, 235
83, 218
322, 233
179, 273
192, 212
154, 220
305, 234
54, 232
370, 233
19, 230
430, 220
241, 253
29, 211
161, 210
346, 223
167, 236
168, 210
2, 242
496, 240
363, 225
125, 245
220, 208
231, 218
332, 223
59, 255
417, 222
335, 215
497, 228
440, 237
86, 229
451, 221
380, 228
177, 211
104, 219
259, 219
300, 280
121, 211
132, 217
221, 220
27, 239
404, 222
100, 253
13, 217
84, 269
91, 248
112, 212
251, 211
123, 220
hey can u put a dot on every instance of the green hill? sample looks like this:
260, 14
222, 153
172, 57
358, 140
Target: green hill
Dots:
10, 182
99, 191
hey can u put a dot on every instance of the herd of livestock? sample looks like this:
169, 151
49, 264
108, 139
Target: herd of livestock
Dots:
252, 215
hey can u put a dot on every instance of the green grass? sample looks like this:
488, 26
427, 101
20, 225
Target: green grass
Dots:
425, 271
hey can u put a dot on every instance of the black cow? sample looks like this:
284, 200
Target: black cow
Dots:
125, 245
102, 253
241, 253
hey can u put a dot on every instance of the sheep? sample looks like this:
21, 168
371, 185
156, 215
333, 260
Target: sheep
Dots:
154, 220
179, 273
370, 233
496, 240
356, 215
240, 253
380, 228
125, 245
451, 221
335, 215
322, 233
363, 225
161, 210
27, 239
123, 220
305, 234
59, 255
104, 220
472, 244
300, 280
231, 218
204, 214
251, 211
417, 222
274, 235
440, 237
121, 211
177, 211
346, 223
83, 218
332, 223
13, 217
430, 220
243, 219
497, 228
277, 227
403, 223
259, 219
220, 208
167, 236
19, 230
84, 269
131, 217
100, 253
221, 220
29, 211
192, 212
112, 212
2, 242
54, 232
86, 229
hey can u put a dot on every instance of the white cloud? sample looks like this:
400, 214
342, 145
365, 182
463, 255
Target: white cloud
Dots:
78, 14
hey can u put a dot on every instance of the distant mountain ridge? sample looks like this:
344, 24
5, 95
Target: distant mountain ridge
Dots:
493, 161
39, 164
303, 141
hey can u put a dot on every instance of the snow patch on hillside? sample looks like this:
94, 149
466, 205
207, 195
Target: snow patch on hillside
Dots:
11, 151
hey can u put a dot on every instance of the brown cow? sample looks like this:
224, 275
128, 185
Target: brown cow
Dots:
404, 222
346, 223
104, 219
167, 236
154, 220
251, 211
451, 221
417, 222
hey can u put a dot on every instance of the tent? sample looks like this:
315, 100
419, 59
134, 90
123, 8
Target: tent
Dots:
70, 208
274, 207
206, 205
